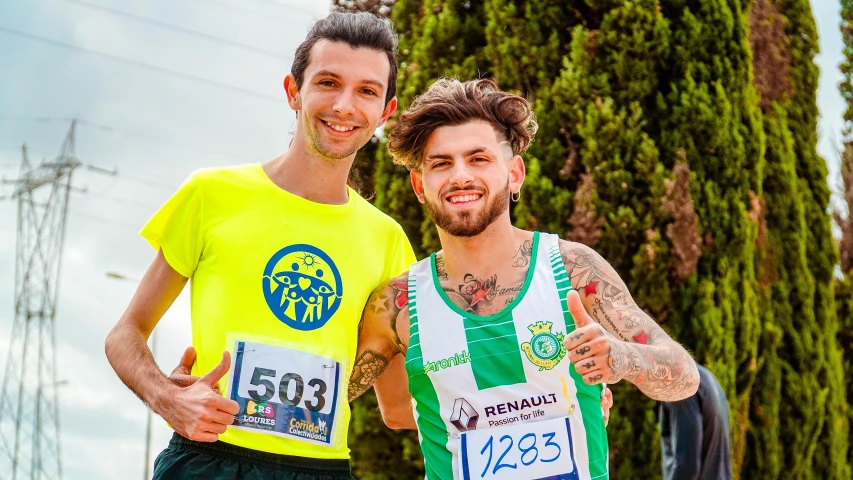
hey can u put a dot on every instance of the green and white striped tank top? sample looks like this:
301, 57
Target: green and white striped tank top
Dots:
468, 372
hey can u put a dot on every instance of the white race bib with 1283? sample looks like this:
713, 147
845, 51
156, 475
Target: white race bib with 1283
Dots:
285, 392
536, 450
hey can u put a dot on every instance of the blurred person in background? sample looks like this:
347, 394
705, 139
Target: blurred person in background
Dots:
695, 433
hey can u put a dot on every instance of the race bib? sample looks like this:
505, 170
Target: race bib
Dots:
537, 450
285, 392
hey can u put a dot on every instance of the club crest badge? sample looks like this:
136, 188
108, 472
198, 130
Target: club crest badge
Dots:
545, 349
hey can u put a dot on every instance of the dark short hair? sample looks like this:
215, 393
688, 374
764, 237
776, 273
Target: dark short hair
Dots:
449, 102
358, 30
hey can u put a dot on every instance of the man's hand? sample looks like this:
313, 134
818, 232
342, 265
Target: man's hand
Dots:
182, 374
606, 404
597, 355
198, 412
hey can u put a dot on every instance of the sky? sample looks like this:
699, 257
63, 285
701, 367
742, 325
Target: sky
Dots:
162, 88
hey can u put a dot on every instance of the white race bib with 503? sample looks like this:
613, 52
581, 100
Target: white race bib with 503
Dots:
536, 450
285, 392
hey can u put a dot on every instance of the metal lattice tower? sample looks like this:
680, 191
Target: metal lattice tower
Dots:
29, 410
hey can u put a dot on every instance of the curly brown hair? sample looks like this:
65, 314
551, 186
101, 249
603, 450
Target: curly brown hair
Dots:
449, 102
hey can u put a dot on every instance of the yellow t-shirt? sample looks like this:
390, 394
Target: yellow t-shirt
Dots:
280, 282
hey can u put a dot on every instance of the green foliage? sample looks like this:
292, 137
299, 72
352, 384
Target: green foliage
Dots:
813, 409
844, 303
377, 452
844, 288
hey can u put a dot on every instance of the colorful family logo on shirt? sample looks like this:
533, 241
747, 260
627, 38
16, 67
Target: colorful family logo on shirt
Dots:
545, 350
302, 286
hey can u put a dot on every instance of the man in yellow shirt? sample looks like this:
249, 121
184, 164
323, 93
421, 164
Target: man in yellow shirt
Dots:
282, 258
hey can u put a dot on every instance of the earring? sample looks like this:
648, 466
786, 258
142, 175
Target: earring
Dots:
516, 196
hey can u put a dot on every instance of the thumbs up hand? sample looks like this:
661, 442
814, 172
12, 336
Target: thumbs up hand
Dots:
597, 355
181, 375
199, 412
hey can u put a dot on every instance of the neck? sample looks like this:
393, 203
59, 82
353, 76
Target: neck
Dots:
305, 173
483, 254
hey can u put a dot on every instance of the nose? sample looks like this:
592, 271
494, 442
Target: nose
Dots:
461, 175
344, 104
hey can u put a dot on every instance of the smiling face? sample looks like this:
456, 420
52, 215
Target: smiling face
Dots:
466, 178
342, 99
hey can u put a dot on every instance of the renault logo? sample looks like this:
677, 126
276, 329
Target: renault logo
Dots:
464, 416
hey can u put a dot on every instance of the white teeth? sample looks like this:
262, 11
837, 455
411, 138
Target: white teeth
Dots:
339, 128
463, 198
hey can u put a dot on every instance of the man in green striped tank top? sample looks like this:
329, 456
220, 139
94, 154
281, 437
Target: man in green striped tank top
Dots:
505, 337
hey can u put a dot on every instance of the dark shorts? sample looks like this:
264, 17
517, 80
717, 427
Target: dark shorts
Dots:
186, 459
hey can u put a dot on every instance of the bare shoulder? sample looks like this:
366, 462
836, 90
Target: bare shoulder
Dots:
387, 310
606, 297
585, 267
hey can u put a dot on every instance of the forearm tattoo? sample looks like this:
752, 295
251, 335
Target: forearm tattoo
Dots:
650, 359
368, 367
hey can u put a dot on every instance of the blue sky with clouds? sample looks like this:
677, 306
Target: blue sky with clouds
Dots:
160, 101
831, 122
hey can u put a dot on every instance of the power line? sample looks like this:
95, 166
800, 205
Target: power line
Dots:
148, 182
35, 118
112, 130
18, 148
104, 219
121, 200
137, 63
260, 14
287, 5
181, 29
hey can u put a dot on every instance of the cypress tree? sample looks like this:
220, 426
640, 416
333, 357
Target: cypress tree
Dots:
844, 288
821, 250
800, 362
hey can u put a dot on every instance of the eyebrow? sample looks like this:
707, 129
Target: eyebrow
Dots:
473, 151
329, 73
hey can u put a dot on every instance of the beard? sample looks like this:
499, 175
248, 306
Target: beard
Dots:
467, 223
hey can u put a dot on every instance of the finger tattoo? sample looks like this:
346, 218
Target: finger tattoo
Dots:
595, 378
589, 364
582, 350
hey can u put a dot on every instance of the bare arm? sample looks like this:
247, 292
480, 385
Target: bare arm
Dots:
126, 346
196, 412
392, 393
642, 352
383, 336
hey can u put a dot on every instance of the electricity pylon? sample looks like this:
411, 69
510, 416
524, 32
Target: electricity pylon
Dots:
29, 410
